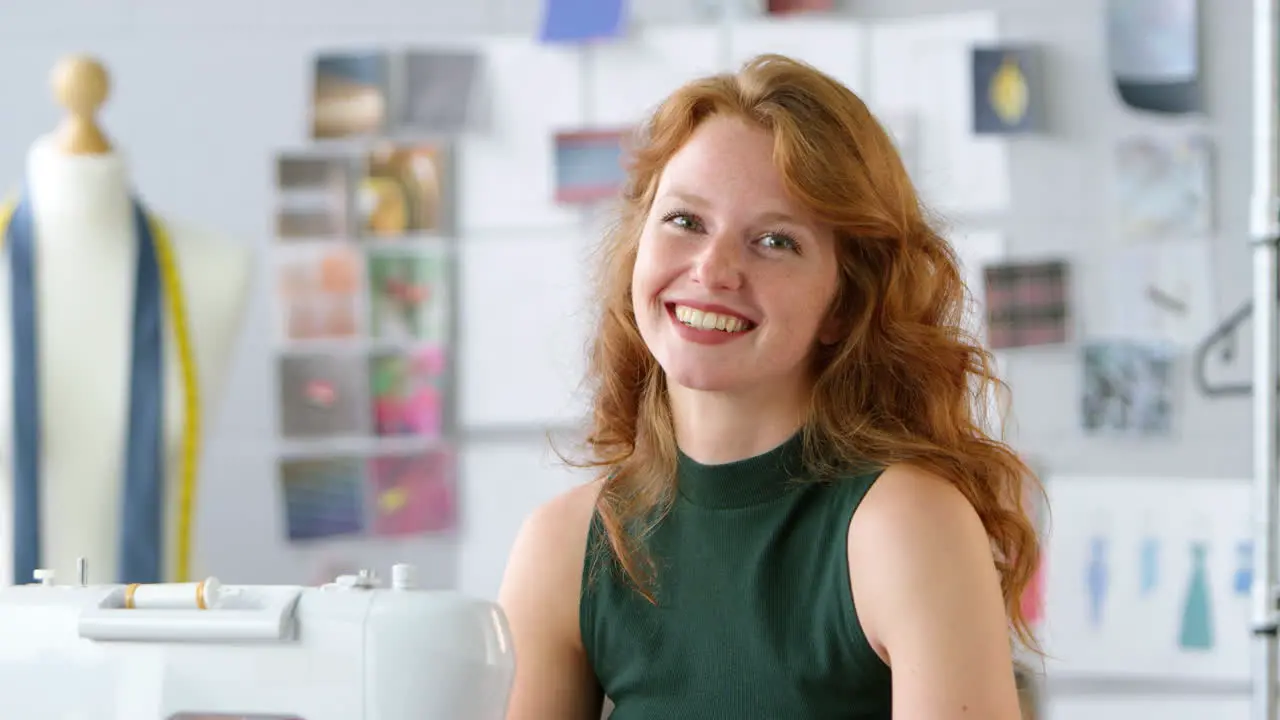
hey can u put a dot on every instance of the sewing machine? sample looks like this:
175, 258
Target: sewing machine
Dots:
350, 650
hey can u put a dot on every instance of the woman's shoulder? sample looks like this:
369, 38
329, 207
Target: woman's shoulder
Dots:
540, 598
556, 531
914, 530
543, 577
905, 498
914, 518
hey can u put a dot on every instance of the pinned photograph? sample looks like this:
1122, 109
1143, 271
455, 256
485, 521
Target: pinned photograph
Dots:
350, 95
323, 395
582, 21
313, 196
1164, 188
409, 392
796, 7
1008, 90
1128, 388
319, 294
323, 498
1027, 304
437, 94
590, 165
415, 494
409, 297
402, 191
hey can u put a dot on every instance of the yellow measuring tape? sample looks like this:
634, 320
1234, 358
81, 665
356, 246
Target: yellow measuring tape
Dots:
175, 300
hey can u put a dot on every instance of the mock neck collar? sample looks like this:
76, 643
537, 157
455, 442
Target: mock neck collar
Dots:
741, 483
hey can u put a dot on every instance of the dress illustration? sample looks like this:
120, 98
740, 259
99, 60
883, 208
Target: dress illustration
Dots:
1242, 583
1197, 626
1149, 566
1096, 579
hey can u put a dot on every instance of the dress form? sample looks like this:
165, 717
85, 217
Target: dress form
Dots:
86, 254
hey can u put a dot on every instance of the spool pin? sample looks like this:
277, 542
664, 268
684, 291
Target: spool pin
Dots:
201, 595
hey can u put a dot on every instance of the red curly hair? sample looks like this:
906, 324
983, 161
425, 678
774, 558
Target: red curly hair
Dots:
905, 385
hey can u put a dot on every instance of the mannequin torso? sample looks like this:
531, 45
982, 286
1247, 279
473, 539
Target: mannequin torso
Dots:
85, 268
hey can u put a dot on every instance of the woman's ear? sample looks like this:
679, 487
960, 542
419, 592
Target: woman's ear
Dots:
831, 331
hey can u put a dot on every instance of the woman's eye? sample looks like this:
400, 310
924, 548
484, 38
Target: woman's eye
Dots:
682, 221
778, 241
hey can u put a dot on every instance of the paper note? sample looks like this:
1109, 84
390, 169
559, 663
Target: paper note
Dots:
1161, 292
1128, 388
1163, 188
1103, 621
581, 20
439, 89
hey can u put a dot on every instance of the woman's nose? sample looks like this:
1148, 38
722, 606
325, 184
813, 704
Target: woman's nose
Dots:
719, 265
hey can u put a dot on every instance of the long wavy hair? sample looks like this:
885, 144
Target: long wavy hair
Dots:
906, 384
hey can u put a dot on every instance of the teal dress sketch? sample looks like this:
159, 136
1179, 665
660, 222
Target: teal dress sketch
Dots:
1197, 612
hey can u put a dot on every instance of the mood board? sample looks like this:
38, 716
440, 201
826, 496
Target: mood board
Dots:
435, 238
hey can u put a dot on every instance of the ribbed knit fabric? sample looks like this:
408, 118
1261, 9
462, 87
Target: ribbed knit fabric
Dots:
754, 617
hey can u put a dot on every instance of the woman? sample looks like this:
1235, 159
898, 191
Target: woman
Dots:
779, 346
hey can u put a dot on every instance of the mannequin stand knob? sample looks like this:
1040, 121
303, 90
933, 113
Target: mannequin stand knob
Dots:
81, 85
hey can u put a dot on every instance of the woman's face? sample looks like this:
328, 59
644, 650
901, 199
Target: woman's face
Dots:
733, 281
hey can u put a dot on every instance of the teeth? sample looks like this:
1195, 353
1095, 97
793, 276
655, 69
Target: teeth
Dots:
709, 321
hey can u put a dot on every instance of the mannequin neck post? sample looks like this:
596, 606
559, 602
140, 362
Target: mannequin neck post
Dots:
89, 188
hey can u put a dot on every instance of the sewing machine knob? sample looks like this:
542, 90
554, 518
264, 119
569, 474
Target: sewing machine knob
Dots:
363, 580
44, 575
403, 576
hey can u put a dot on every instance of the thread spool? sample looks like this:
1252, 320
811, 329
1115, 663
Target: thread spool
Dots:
403, 577
173, 596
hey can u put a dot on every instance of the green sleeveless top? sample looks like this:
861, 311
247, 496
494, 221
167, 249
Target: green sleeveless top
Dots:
755, 618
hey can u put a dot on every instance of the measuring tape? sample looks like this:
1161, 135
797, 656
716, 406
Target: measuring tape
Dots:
171, 281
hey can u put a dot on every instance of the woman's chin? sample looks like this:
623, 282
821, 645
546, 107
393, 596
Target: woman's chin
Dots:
704, 379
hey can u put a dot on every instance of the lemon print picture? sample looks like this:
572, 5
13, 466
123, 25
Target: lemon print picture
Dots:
1009, 92
1006, 85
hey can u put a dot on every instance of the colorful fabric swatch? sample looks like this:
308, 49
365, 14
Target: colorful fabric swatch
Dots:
323, 498
414, 493
1027, 304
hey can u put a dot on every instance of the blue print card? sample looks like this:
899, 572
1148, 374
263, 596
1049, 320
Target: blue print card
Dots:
590, 165
569, 21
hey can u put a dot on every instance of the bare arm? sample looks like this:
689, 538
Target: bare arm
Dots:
928, 596
540, 598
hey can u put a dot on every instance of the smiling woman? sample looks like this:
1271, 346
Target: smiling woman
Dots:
798, 513
724, 236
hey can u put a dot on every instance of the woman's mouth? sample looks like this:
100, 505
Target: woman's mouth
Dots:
699, 319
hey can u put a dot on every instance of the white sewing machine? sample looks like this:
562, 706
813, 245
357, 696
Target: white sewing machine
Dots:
350, 650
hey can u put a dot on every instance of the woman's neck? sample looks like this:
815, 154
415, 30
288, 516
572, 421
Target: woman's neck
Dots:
92, 187
714, 428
